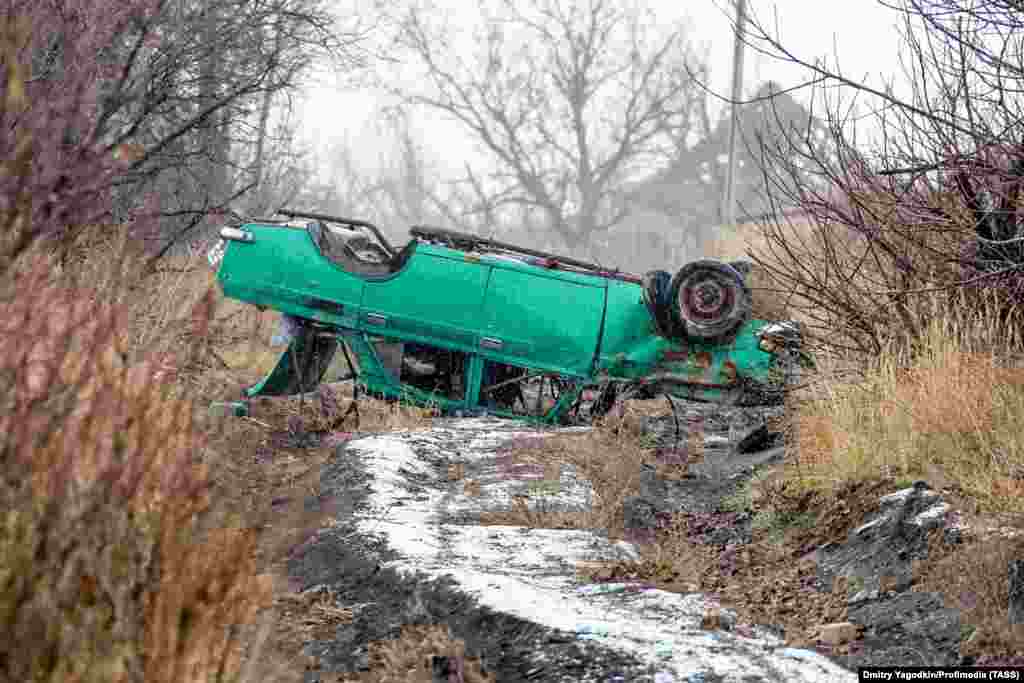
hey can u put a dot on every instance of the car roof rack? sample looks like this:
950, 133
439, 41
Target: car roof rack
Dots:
468, 241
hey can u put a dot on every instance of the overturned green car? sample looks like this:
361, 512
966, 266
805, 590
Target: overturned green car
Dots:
472, 326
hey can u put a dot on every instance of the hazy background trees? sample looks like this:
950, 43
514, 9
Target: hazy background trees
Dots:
682, 205
207, 97
568, 102
595, 133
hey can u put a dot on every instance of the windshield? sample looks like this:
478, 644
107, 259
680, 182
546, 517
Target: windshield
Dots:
351, 249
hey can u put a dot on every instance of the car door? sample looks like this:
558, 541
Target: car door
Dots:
540, 319
324, 285
436, 299
280, 266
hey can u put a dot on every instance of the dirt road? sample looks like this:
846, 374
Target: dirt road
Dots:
404, 548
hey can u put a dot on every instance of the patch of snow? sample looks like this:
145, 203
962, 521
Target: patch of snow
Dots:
530, 573
900, 497
868, 525
931, 513
715, 440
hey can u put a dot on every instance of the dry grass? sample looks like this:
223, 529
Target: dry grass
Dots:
162, 350
262, 468
613, 478
852, 295
610, 456
946, 409
415, 656
108, 575
949, 414
176, 521
974, 579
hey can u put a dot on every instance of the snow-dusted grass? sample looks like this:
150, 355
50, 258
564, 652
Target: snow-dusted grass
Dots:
530, 572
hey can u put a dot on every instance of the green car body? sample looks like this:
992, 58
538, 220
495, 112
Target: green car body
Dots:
451, 325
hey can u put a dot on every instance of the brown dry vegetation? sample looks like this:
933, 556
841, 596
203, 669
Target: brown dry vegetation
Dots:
149, 353
107, 573
136, 541
408, 658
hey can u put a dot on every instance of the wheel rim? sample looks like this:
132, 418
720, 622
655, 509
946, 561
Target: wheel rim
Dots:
711, 299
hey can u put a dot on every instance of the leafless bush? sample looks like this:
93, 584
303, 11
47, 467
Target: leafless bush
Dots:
105, 574
159, 107
921, 220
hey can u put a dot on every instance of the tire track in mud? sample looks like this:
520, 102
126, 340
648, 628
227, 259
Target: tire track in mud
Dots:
352, 564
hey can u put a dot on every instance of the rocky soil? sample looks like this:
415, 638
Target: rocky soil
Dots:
868, 574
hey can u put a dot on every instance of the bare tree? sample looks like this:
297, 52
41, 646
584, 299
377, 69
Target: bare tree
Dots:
287, 165
567, 99
922, 216
195, 86
404, 189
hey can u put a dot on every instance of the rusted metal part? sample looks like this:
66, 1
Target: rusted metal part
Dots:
675, 355
675, 378
729, 372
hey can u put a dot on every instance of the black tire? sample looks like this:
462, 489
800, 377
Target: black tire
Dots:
657, 285
709, 300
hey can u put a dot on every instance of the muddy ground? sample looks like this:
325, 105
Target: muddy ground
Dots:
350, 565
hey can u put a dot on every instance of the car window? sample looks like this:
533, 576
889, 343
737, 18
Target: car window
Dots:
518, 390
351, 249
428, 368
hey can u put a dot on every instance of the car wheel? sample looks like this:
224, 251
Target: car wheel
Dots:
709, 300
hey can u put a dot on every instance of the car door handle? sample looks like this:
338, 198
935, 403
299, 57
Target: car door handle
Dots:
491, 343
376, 319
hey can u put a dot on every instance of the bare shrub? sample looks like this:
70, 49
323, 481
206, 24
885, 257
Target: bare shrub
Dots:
869, 239
423, 652
105, 571
106, 575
